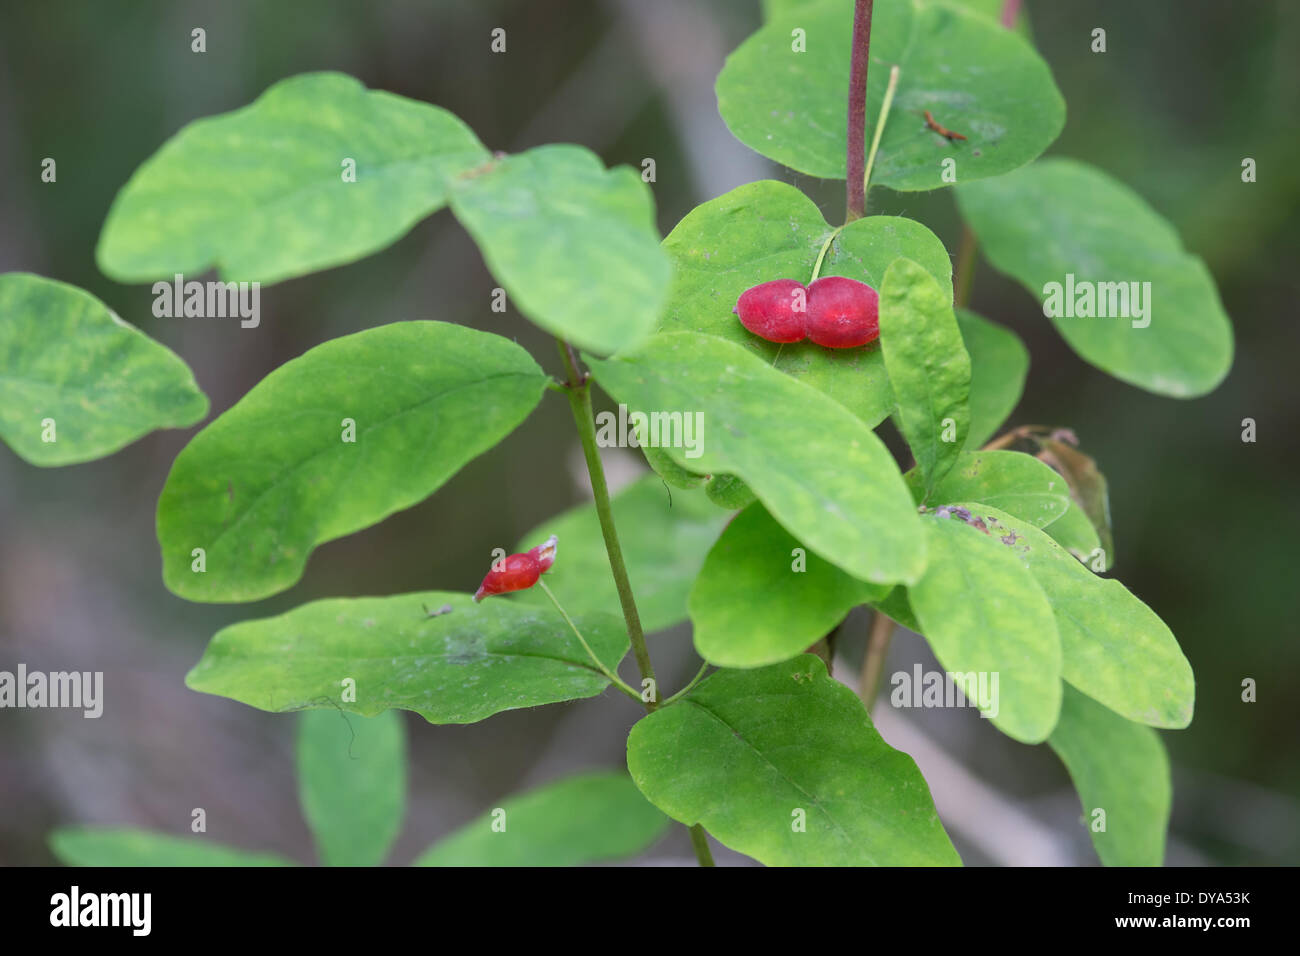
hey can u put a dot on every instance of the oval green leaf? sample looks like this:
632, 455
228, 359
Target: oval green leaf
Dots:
1076, 534
976, 78
761, 598
999, 364
928, 366
274, 476
1017, 483
367, 655
264, 193
574, 244
1079, 241
769, 230
582, 819
126, 846
73, 372
352, 784
664, 535
1114, 648
1121, 768
985, 616
753, 754
817, 468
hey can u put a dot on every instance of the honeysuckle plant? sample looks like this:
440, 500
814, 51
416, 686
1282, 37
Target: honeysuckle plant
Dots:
785, 515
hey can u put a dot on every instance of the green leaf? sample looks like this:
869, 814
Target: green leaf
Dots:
729, 492
984, 614
761, 598
456, 667
352, 784
125, 846
582, 819
746, 751
1121, 768
976, 78
897, 608
664, 535
574, 244
1088, 489
261, 192
1075, 533
928, 366
769, 230
273, 477
818, 469
1114, 648
1017, 483
1061, 218
999, 363
66, 357
671, 472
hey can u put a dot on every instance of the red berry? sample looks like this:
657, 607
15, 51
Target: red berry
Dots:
842, 313
774, 310
518, 572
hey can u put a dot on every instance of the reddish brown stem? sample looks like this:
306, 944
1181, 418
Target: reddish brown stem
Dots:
856, 159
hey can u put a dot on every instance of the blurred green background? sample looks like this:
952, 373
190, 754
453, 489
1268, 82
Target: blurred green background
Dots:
1206, 525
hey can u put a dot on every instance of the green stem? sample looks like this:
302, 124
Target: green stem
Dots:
700, 841
617, 681
687, 689
579, 389
584, 417
885, 106
817, 266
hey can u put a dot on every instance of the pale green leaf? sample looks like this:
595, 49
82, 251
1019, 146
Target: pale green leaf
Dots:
273, 477
729, 492
985, 615
671, 472
976, 78
928, 366
72, 370
1120, 769
897, 608
783, 764
1114, 648
1017, 483
1076, 534
1064, 222
769, 230
581, 819
261, 192
352, 783
818, 469
574, 244
455, 667
127, 846
761, 598
664, 536
999, 363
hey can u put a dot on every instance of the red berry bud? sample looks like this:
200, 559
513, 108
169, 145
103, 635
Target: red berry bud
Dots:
774, 310
842, 313
518, 572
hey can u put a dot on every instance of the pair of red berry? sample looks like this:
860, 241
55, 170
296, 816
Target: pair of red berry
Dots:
834, 312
